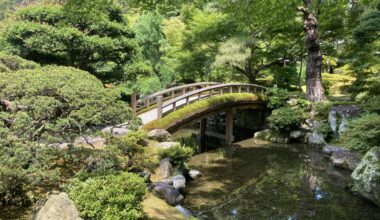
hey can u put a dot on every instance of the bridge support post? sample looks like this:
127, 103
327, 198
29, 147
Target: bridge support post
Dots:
229, 127
133, 102
159, 107
203, 135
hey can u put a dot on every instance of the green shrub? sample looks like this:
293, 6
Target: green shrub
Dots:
177, 154
56, 103
277, 97
10, 63
286, 118
116, 196
325, 130
24, 167
322, 109
363, 133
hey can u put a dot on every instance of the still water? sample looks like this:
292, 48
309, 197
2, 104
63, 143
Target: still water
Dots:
265, 181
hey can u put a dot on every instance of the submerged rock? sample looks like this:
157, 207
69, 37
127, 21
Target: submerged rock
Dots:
184, 211
160, 135
57, 207
169, 193
345, 159
366, 176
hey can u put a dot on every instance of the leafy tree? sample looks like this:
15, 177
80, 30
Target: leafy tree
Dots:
94, 38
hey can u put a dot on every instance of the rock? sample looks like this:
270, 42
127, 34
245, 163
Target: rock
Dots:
366, 176
169, 193
328, 149
184, 211
58, 207
339, 116
194, 174
116, 131
160, 135
345, 159
179, 182
87, 141
297, 134
272, 136
316, 139
165, 168
60, 146
166, 145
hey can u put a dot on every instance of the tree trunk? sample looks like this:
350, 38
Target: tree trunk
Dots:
314, 88
300, 74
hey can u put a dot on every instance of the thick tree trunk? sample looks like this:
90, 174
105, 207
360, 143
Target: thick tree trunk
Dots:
314, 88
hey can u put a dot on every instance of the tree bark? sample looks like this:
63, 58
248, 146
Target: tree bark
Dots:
314, 87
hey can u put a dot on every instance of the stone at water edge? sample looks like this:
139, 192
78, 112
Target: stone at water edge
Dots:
345, 159
274, 137
366, 176
263, 135
184, 211
316, 139
297, 134
165, 169
57, 207
328, 149
179, 182
169, 193
194, 174
160, 135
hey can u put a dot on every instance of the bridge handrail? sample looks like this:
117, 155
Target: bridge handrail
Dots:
161, 105
146, 101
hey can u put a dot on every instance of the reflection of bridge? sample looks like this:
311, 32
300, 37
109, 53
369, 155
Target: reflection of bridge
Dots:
159, 104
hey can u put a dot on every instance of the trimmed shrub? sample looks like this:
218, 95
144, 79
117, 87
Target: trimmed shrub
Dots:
55, 103
116, 196
277, 97
286, 118
325, 130
363, 133
10, 63
322, 109
177, 154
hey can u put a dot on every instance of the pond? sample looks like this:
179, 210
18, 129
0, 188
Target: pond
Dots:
257, 180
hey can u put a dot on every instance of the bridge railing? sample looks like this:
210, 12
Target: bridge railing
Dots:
203, 93
170, 93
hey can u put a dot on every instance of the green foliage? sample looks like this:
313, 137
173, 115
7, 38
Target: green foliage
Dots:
325, 130
10, 63
337, 84
369, 28
177, 154
277, 97
24, 166
286, 118
95, 38
322, 109
372, 105
115, 196
363, 133
56, 103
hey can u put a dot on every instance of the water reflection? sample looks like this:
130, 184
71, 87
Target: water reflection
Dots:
263, 181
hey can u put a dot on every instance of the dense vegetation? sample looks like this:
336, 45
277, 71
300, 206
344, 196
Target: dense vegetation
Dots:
67, 68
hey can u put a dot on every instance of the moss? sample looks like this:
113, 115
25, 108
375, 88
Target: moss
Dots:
189, 110
156, 208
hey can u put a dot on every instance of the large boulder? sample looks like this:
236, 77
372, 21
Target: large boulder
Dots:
345, 159
366, 176
116, 131
168, 192
160, 135
339, 116
57, 207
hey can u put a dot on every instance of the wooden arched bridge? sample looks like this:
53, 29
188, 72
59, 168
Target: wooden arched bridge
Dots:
159, 104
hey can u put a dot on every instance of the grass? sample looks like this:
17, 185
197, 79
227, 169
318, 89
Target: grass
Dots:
200, 106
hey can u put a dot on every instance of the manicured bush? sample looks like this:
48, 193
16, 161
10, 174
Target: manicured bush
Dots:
286, 118
115, 196
325, 130
10, 63
363, 133
322, 109
277, 97
56, 103
177, 154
